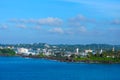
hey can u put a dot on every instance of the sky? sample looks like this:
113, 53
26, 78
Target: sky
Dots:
60, 21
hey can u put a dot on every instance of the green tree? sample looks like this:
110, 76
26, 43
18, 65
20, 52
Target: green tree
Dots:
7, 52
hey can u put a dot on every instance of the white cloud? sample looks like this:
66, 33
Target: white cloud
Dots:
80, 17
83, 29
50, 21
21, 26
114, 29
3, 26
18, 20
37, 27
116, 22
57, 30
75, 25
80, 20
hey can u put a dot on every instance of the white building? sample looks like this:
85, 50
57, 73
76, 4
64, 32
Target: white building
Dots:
101, 51
26, 51
113, 49
46, 45
83, 54
77, 50
87, 51
22, 50
47, 52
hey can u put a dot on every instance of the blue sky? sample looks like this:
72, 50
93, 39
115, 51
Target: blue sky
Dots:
60, 21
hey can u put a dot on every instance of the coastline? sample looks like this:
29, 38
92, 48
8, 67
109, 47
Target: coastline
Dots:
64, 59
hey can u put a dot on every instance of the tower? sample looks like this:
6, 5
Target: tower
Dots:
77, 50
113, 49
101, 51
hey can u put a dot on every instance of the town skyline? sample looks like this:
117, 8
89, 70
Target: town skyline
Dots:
60, 21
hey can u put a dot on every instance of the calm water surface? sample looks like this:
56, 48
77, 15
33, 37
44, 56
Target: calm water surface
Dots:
17, 68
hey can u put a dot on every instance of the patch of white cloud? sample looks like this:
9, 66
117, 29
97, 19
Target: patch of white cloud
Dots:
116, 22
114, 29
3, 26
82, 29
37, 27
57, 30
50, 21
76, 25
80, 20
18, 20
21, 26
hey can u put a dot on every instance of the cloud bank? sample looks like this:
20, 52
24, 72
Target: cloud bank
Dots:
50, 21
76, 25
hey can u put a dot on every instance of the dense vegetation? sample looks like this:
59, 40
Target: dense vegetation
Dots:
7, 52
105, 57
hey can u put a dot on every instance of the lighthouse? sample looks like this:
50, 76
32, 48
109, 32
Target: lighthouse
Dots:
113, 49
77, 50
101, 51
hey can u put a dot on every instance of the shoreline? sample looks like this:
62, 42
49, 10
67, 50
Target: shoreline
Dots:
63, 59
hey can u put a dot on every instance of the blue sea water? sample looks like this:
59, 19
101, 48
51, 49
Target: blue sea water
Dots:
18, 68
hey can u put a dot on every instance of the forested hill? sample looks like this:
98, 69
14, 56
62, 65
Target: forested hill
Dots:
64, 46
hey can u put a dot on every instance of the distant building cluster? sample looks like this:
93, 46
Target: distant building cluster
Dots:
30, 51
53, 50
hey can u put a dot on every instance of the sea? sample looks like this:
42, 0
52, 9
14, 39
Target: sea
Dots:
19, 68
